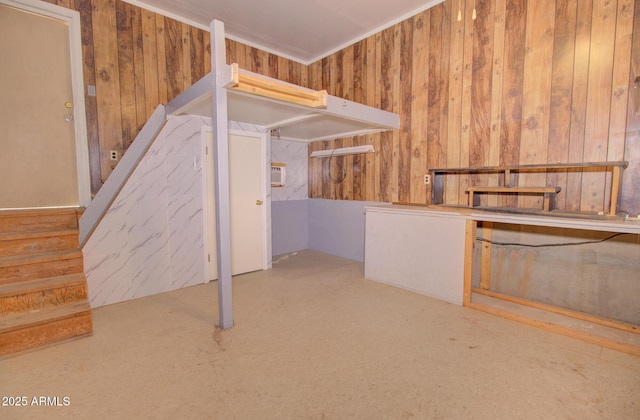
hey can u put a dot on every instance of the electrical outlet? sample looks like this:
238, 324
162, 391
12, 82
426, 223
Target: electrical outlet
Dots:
427, 179
113, 155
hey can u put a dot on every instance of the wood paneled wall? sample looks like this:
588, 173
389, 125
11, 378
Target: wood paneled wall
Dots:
528, 81
137, 60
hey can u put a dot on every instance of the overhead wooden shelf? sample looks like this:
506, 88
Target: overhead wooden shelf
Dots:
292, 112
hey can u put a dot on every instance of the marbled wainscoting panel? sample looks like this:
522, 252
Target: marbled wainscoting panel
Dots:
185, 169
295, 156
150, 240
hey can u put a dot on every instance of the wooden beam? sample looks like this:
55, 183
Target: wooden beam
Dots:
485, 264
271, 89
470, 239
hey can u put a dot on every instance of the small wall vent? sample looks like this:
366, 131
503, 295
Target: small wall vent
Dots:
277, 174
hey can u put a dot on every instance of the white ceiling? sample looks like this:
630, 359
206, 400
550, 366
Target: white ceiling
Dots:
302, 30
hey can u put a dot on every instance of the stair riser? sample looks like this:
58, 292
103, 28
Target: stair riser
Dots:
43, 299
39, 270
27, 223
41, 335
26, 246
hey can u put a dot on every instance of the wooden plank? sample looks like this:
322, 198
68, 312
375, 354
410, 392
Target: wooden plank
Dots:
206, 41
173, 54
347, 93
149, 47
197, 54
90, 102
441, 157
467, 80
386, 171
419, 106
485, 259
629, 197
570, 332
359, 96
496, 94
619, 98
126, 63
378, 139
514, 51
273, 67
598, 101
531, 190
406, 99
395, 108
534, 167
562, 311
282, 69
139, 77
562, 85
538, 63
452, 186
107, 83
267, 88
369, 87
471, 227
579, 103
186, 56
434, 92
166, 59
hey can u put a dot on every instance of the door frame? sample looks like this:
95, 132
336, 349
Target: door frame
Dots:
72, 18
265, 162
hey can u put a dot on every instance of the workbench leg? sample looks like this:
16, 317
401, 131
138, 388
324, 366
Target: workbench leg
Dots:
485, 256
470, 239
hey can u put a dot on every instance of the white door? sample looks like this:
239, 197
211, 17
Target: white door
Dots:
39, 164
247, 204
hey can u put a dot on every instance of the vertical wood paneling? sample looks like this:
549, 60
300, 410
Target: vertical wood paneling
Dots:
579, 102
538, 61
127, 73
90, 102
138, 70
461, 89
467, 80
161, 50
630, 201
419, 87
496, 96
369, 89
598, 101
514, 50
456, 69
150, 62
107, 82
562, 84
481, 91
186, 57
620, 90
406, 100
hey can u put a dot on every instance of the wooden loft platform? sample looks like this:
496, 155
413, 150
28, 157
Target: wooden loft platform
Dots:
509, 181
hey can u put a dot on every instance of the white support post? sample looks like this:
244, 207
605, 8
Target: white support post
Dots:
221, 146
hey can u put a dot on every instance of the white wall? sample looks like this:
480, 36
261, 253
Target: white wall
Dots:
289, 205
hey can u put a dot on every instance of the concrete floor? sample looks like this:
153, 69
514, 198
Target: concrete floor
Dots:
312, 340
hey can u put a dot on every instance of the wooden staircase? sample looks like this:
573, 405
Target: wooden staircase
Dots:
43, 290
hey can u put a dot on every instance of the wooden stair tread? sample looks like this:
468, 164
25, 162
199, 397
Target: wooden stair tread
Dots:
30, 319
41, 211
515, 189
40, 258
10, 236
31, 286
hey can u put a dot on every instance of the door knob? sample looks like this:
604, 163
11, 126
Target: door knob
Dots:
68, 105
68, 118
258, 202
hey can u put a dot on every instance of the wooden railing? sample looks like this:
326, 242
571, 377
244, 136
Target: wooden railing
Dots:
510, 171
